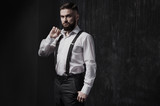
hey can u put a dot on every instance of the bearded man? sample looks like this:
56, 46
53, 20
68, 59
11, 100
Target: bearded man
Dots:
74, 53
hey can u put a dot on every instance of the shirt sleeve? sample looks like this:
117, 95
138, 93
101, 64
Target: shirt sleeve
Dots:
90, 62
47, 46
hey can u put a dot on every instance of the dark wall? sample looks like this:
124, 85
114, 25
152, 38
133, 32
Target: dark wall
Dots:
126, 34
48, 17
19, 33
128, 51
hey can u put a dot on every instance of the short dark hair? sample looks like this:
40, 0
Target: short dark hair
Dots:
70, 5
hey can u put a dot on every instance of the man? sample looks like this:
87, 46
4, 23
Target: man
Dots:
72, 87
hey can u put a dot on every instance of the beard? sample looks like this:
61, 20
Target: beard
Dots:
69, 27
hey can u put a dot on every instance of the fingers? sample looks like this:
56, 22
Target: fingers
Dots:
55, 29
54, 32
81, 97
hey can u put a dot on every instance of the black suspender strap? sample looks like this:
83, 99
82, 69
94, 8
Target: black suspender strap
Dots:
70, 52
56, 49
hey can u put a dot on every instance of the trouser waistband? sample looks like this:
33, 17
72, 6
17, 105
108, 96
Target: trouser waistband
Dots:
70, 76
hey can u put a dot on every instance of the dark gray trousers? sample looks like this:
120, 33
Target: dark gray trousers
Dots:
66, 88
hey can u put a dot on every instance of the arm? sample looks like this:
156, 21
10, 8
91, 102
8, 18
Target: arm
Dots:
47, 45
90, 74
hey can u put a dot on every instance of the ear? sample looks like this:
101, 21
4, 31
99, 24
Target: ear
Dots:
77, 16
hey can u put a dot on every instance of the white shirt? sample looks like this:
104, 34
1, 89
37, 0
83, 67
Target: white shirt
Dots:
83, 53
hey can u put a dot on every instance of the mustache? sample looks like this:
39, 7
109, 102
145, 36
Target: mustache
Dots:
66, 22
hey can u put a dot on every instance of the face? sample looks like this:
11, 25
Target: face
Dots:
69, 19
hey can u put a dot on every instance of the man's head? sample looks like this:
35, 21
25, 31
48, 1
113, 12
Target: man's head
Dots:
69, 16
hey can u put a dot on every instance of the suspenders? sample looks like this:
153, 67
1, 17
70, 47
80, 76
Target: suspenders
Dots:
56, 50
69, 51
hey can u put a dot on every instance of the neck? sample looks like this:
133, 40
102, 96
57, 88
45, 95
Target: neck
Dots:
67, 33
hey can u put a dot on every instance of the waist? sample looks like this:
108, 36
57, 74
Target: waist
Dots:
61, 70
70, 75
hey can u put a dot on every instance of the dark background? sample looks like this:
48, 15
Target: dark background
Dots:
127, 38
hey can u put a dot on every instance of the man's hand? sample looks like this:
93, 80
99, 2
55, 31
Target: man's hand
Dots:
54, 32
81, 97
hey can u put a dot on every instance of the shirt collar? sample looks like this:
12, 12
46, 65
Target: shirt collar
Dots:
74, 31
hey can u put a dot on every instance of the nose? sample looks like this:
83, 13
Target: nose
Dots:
65, 18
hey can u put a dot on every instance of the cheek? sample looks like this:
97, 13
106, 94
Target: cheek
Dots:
70, 20
62, 20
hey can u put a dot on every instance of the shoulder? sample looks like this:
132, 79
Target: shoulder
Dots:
86, 35
86, 38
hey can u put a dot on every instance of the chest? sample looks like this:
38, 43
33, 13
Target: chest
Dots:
66, 42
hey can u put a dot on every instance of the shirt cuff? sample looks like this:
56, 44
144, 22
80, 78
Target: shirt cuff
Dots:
86, 89
49, 39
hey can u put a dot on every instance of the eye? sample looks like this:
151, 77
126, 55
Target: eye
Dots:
69, 16
62, 16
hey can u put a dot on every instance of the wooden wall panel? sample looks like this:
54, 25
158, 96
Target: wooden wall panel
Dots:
127, 39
